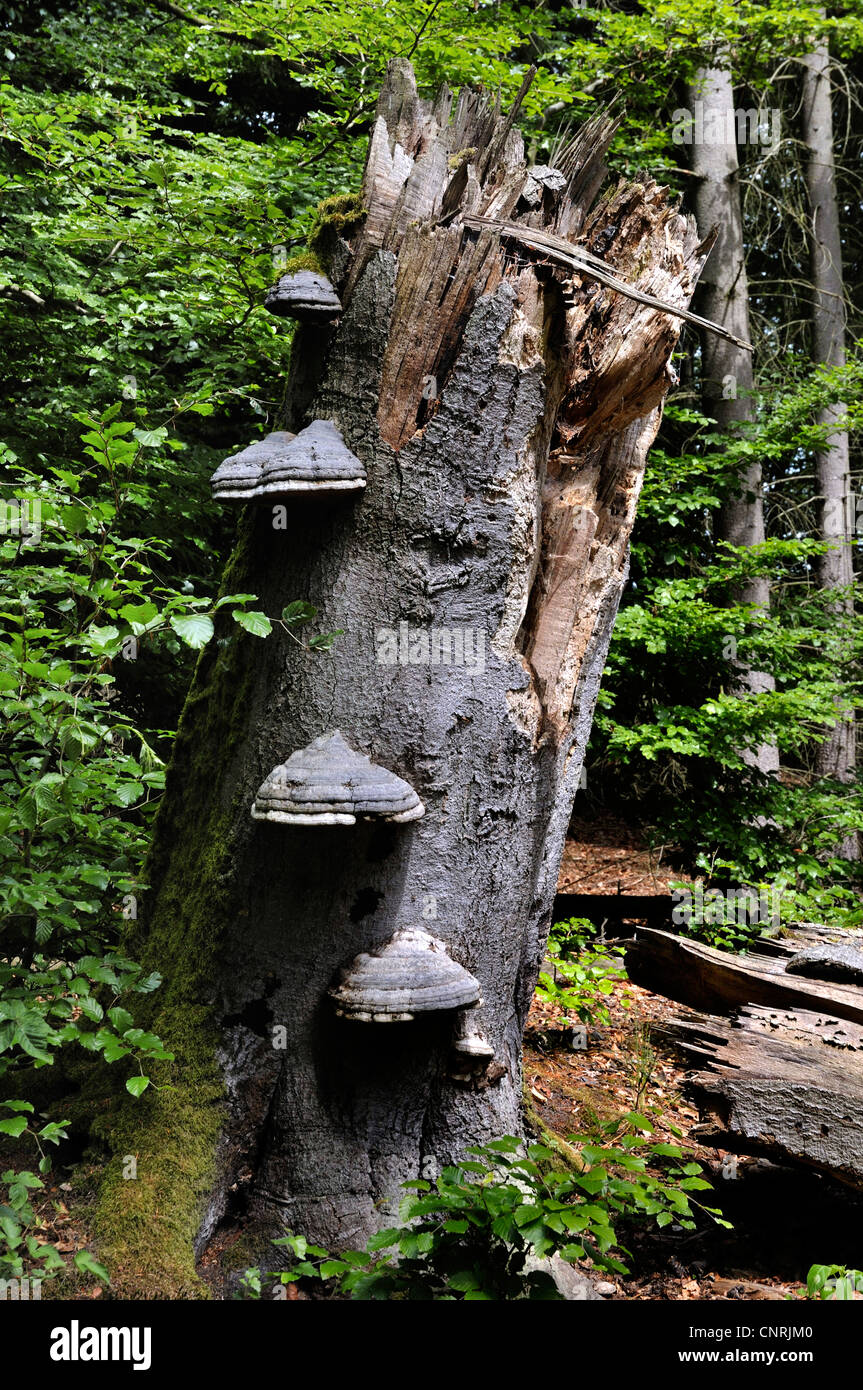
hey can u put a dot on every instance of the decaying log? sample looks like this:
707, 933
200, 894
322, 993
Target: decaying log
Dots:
718, 982
502, 414
786, 1084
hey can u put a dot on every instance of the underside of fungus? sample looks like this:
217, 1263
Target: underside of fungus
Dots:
316, 460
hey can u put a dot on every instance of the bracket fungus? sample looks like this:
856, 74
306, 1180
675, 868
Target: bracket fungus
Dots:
472, 1053
237, 477
304, 295
316, 460
412, 973
327, 783
472, 1046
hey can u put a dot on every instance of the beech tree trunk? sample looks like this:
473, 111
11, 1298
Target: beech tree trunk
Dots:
503, 414
727, 372
836, 756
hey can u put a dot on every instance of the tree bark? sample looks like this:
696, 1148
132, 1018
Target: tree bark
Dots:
503, 415
836, 756
727, 370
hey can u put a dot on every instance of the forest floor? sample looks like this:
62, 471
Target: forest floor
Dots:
604, 855
783, 1219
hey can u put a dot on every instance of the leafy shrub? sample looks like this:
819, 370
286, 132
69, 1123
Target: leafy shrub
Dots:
468, 1235
833, 1282
585, 971
78, 779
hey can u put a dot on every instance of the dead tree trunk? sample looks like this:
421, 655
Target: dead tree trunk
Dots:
836, 756
502, 407
727, 375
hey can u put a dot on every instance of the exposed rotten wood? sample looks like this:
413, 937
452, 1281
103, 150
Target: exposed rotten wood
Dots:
718, 982
451, 194
786, 1084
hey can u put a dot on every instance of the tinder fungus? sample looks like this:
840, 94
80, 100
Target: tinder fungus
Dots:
305, 295
412, 974
316, 460
329, 784
237, 478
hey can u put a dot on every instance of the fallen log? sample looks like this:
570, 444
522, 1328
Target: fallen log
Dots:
785, 1084
718, 983
802, 936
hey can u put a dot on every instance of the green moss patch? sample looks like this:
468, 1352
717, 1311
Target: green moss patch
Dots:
145, 1226
338, 216
155, 1186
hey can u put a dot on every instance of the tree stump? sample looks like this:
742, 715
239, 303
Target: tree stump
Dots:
502, 407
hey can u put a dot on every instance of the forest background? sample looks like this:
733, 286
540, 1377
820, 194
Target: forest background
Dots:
161, 165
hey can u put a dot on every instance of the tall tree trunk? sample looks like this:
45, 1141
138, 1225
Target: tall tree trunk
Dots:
837, 755
503, 414
727, 372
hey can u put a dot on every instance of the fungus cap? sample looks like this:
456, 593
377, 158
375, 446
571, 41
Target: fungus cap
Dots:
327, 783
412, 973
315, 460
303, 295
237, 477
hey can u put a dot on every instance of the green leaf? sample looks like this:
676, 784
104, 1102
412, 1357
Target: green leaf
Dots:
150, 439
324, 640
121, 1019
195, 629
74, 518
382, 1239
138, 615
91, 1008
298, 612
257, 623
137, 1085
14, 1128
86, 1263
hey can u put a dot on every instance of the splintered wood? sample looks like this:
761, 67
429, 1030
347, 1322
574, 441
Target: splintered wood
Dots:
783, 1075
449, 194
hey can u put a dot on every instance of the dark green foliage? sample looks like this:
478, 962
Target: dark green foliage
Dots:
584, 971
833, 1282
468, 1235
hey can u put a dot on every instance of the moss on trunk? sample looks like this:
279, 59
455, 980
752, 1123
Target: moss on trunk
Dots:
145, 1226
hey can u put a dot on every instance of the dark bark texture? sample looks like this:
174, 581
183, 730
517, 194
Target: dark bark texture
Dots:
503, 414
